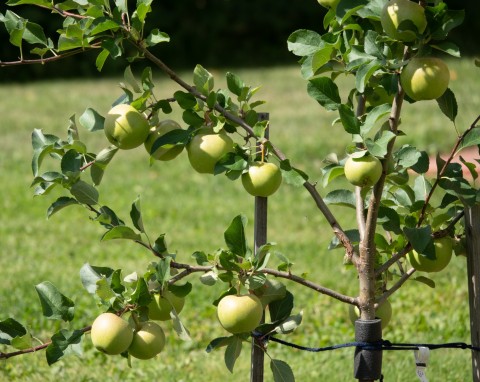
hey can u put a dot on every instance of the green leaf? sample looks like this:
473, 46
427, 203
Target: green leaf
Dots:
90, 275
364, 73
379, 146
42, 3
55, 305
290, 324
217, 343
325, 92
389, 219
201, 258
141, 295
407, 156
255, 281
471, 139
232, 352
59, 204
281, 371
85, 193
162, 270
373, 116
209, 278
234, 83
280, 310
71, 163
425, 280
340, 197
448, 105
192, 119
101, 58
136, 215
350, 122
156, 37
91, 120
160, 245
64, 343
10, 329
421, 240
185, 100
304, 42
23, 342
180, 329
173, 137
292, 175
130, 79
121, 232
235, 237
203, 80
103, 158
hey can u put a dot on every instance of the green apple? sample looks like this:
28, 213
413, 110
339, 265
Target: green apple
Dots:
240, 313
161, 306
398, 14
168, 151
206, 148
443, 254
148, 341
364, 171
125, 127
328, 3
384, 312
425, 78
111, 334
262, 179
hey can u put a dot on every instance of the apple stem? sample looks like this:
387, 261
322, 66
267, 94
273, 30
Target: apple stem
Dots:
135, 320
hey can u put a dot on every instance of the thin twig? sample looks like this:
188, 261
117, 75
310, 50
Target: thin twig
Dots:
35, 348
48, 59
189, 269
444, 169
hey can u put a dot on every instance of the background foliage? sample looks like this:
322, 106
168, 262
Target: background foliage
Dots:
219, 33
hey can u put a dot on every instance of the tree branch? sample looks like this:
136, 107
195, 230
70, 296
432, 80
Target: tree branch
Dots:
35, 348
48, 59
337, 229
189, 269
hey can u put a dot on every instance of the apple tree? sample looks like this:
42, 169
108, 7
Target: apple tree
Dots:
391, 52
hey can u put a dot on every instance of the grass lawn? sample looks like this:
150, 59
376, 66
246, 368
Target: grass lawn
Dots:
193, 211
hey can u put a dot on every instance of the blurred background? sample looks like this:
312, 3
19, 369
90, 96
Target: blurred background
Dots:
247, 33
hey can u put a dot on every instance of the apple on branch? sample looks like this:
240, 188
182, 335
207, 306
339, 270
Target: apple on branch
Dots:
111, 334
363, 171
125, 127
166, 152
148, 340
240, 313
403, 19
262, 179
206, 148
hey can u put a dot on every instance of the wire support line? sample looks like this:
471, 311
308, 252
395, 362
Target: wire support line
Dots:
377, 345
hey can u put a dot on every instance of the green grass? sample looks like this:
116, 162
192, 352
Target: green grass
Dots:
193, 211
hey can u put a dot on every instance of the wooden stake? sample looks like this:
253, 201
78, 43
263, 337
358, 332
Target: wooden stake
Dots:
257, 356
472, 228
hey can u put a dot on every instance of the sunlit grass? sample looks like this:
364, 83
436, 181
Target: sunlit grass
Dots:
193, 211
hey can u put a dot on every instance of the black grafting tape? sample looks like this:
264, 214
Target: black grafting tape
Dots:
368, 362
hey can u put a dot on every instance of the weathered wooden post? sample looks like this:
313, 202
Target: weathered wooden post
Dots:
260, 238
472, 228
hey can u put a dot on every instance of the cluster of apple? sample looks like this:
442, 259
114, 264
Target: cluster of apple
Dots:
127, 128
113, 335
